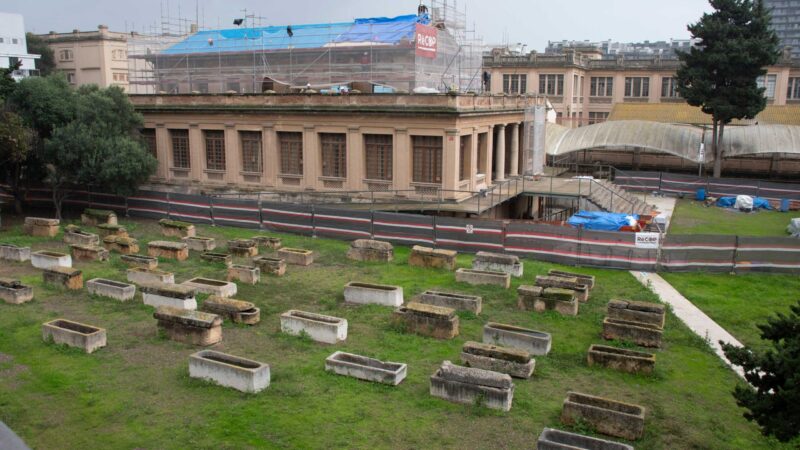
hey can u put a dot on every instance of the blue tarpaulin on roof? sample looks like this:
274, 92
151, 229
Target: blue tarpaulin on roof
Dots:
377, 30
601, 221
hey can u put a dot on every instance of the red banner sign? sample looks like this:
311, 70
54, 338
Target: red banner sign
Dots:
426, 41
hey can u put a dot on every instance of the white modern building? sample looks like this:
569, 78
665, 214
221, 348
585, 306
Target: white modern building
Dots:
14, 47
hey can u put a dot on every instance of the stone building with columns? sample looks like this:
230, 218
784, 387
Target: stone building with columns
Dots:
401, 145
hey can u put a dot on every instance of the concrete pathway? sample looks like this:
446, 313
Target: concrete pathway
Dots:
664, 204
691, 315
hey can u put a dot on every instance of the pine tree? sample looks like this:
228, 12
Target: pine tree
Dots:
719, 73
773, 396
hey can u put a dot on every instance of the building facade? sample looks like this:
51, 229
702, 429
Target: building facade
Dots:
91, 57
386, 144
14, 46
786, 22
584, 86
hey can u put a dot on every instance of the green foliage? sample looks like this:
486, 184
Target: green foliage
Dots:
7, 84
36, 45
15, 140
773, 396
44, 103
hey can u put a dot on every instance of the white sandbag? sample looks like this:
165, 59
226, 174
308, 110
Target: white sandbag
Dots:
744, 203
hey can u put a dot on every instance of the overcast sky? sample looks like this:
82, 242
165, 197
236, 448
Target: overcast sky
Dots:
531, 22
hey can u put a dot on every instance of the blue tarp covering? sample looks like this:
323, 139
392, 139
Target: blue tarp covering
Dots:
601, 221
729, 202
378, 30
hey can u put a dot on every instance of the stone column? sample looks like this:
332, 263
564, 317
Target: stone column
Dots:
233, 154
473, 159
514, 150
355, 159
163, 146
269, 141
401, 160
311, 160
500, 153
197, 153
489, 155
450, 162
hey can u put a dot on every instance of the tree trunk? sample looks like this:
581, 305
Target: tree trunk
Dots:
15, 190
58, 201
714, 148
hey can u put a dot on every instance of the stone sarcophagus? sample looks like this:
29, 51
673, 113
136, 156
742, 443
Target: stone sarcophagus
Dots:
41, 227
581, 290
106, 230
459, 302
428, 320
168, 250
244, 274
74, 235
215, 257
512, 361
498, 262
621, 359
644, 312
532, 341
432, 257
189, 327
364, 368
639, 333
226, 370
47, 259
321, 328
552, 439
269, 242
74, 334
237, 311
175, 228
213, 287
244, 248
272, 266
171, 295
588, 280
606, 416
145, 262
375, 294
11, 252
470, 385
67, 277
482, 277
370, 250
121, 244
94, 217
111, 289
88, 253
14, 292
296, 256
536, 298
140, 276
200, 244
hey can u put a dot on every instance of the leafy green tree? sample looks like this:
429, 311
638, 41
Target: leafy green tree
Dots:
99, 148
773, 396
719, 74
15, 147
7, 85
47, 62
44, 103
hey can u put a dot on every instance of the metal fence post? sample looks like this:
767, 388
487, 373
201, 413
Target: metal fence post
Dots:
211, 210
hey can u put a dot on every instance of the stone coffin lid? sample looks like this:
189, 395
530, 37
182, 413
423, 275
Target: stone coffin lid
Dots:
620, 351
151, 271
73, 229
41, 221
497, 258
10, 283
3, 244
168, 244
175, 224
550, 279
470, 375
637, 306
127, 241
631, 323
102, 213
531, 291
438, 312
106, 226
192, 318
605, 403
371, 244
494, 351
88, 248
434, 251
243, 243
169, 290
558, 294
69, 271
228, 304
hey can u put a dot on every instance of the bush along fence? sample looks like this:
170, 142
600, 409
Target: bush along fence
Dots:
545, 242
675, 183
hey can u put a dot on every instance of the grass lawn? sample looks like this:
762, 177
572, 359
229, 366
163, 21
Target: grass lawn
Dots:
691, 217
136, 392
739, 302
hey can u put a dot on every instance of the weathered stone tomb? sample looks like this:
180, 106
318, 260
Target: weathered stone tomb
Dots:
469, 385
365, 368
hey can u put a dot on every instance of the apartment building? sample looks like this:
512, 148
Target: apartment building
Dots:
14, 47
